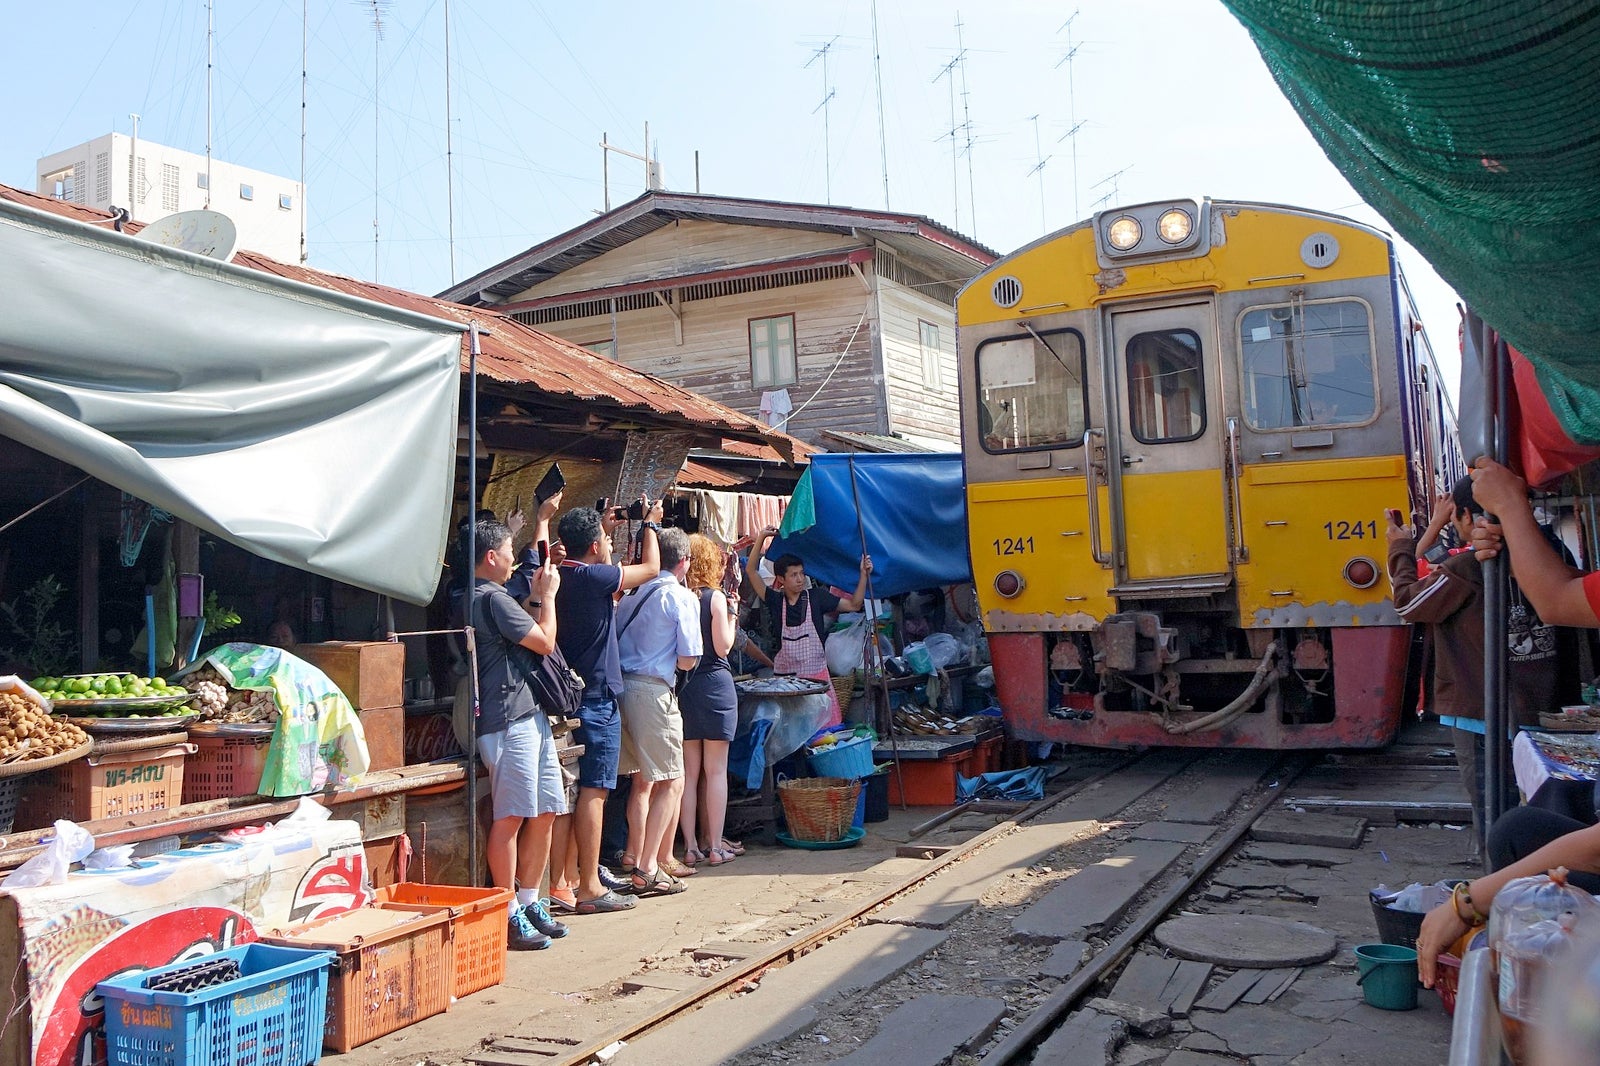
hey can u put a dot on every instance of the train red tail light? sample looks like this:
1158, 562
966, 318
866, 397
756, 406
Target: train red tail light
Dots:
1361, 572
1009, 583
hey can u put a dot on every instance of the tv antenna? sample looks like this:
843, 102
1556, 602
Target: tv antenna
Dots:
378, 9
966, 124
449, 155
1038, 168
1072, 109
1115, 195
305, 20
827, 95
211, 36
948, 72
877, 76
652, 166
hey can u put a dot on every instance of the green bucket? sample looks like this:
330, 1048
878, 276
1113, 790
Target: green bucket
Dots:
1387, 976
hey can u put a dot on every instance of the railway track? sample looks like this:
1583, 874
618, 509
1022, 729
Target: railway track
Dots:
1060, 859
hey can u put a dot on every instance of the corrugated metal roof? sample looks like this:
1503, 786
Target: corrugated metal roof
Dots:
871, 442
511, 352
700, 476
657, 208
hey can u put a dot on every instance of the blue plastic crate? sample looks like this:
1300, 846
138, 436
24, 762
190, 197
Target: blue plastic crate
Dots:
271, 1015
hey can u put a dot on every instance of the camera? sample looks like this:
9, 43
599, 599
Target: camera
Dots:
636, 510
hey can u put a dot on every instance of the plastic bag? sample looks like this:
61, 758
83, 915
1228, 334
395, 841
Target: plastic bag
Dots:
943, 649
72, 843
114, 858
845, 648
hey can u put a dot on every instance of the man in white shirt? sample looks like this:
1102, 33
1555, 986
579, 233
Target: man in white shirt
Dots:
658, 634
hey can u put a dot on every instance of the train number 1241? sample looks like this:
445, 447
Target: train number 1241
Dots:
1351, 530
1014, 546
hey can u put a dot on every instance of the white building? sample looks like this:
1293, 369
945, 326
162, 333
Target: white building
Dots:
268, 209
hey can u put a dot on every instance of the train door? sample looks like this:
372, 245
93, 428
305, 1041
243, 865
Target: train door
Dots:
1164, 452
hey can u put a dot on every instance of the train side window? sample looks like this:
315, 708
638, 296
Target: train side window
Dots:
1031, 391
1307, 364
1166, 389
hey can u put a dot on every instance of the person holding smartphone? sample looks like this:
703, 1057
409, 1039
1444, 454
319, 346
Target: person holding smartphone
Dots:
1449, 601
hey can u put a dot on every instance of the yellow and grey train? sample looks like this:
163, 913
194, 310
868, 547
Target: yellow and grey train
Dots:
1182, 423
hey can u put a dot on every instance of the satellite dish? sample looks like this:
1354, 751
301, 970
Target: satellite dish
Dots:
208, 233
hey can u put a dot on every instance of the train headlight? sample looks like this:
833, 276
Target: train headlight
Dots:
1009, 584
1361, 572
1124, 233
1174, 226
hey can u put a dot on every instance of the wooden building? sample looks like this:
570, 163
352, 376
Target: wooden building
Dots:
848, 312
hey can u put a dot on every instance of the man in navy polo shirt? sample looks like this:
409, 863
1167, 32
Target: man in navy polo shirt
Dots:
587, 634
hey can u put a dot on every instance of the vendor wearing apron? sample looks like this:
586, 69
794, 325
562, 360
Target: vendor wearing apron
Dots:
797, 613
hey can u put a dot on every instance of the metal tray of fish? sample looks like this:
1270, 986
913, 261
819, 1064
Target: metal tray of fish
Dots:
781, 686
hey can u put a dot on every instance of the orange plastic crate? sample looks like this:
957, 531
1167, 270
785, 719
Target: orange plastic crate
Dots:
930, 782
223, 767
393, 969
112, 785
478, 928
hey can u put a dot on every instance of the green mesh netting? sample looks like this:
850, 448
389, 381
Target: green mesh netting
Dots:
1473, 126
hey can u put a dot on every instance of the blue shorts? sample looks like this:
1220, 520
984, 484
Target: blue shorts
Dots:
600, 733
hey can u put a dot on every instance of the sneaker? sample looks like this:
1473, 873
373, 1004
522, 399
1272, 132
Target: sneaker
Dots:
543, 922
522, 936
609, 881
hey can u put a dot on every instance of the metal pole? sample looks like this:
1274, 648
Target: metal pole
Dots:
468, 576
870, 659
1495, 589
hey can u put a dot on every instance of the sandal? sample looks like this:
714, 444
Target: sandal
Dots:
694, 856
562, 901
658, 883
678, 869
718, 856
626, 863
609, 903
732, 846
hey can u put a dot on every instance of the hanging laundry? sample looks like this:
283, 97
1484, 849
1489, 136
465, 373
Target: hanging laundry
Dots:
775, 408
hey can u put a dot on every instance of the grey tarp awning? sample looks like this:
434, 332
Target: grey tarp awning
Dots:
309, 427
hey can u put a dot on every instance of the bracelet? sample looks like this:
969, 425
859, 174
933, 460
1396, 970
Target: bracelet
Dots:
536, 604
1463, 894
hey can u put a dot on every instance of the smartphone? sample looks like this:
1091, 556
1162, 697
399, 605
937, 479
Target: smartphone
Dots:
602, 504
552, 483
1394, 516
544, 552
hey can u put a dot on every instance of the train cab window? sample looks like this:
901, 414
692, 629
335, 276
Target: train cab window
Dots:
1307, 364
1166, 390
1031, 391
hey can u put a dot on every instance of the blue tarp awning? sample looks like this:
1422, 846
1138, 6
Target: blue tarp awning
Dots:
913, 514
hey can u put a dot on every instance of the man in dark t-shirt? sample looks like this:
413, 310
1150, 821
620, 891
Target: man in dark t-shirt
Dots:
588, 638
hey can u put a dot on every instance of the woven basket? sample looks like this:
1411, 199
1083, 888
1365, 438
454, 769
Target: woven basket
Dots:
845, 688
819, 808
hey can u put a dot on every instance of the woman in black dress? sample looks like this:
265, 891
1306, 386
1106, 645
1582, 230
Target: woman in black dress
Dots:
710, 709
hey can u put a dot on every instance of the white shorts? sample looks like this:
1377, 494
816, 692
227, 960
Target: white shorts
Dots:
524, 769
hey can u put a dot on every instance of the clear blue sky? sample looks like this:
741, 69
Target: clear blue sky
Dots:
535, 84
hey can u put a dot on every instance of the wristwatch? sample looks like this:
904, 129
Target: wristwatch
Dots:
653, 525
536, 604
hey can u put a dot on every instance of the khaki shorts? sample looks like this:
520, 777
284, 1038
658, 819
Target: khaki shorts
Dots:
652, 729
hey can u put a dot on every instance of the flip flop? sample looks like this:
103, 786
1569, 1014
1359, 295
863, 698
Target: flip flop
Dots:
609, 903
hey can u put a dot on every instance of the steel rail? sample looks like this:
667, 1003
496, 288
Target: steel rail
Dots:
794, 948
1043, 1017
